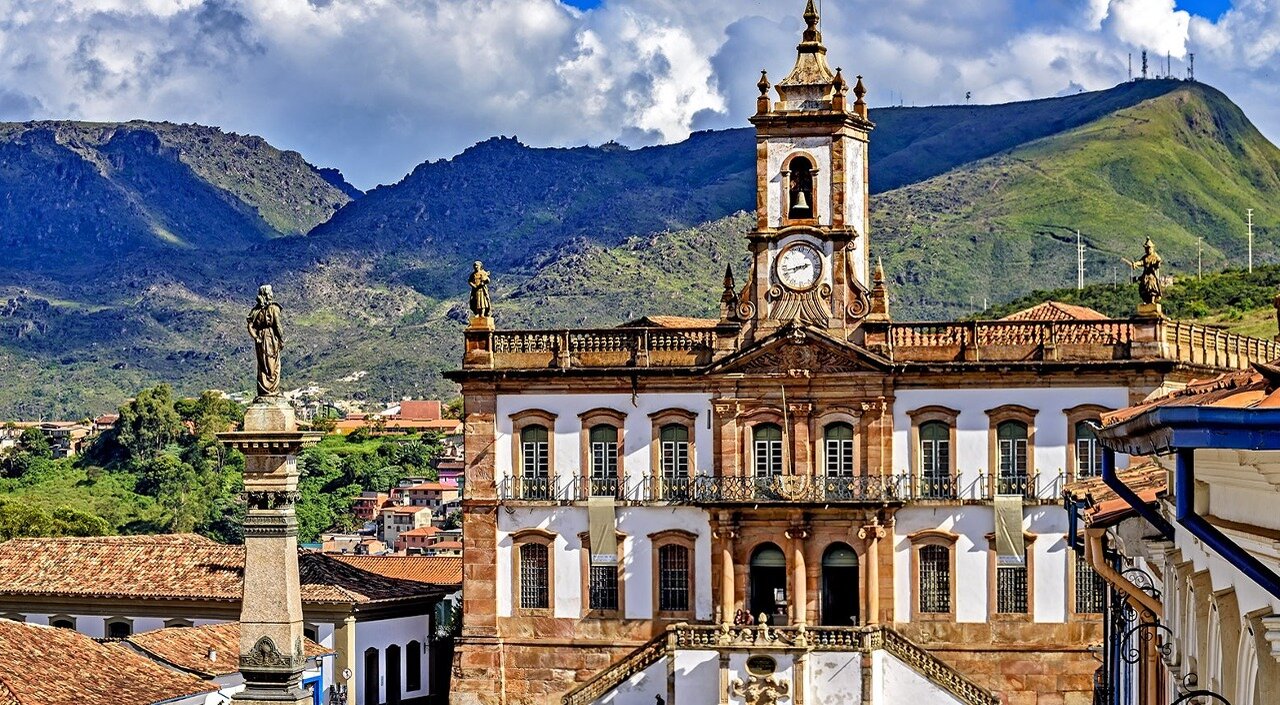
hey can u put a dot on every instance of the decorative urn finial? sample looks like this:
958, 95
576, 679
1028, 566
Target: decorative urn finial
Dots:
762, 102
860, 105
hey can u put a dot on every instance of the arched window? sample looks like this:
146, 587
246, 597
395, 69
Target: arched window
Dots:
935, 460
604, 460
393, 674
534, 464
1088, 451
535, 576
935, 579
800, 196
1011, 438
372, 676
839, 586
62, 622
674, 578
768, 585
838, 451
767, 445
413, 666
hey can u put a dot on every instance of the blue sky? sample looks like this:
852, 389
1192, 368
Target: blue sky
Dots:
376, 88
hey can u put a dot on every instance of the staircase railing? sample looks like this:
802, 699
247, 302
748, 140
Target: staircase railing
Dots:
703, 637
618, 673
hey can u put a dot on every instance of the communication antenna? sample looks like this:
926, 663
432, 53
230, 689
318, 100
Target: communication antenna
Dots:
1249, 212
1191, 70
1079, 262
1144, 64
1130, 66
1168, 64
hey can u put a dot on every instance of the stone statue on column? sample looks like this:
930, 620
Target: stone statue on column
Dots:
271, 656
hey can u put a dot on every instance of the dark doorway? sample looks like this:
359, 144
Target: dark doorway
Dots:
371, 677
769, 584
839, 586
393, 675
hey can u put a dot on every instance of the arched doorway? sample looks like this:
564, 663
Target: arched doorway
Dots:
372, 677
393, 675
839, 586
769, 583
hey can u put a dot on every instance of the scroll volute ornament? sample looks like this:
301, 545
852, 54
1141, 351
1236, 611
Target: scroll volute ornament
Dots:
760, 690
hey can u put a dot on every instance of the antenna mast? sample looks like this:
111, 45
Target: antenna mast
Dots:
1144, 64
1130, 66
1249, 212
1079, 261
1191, 70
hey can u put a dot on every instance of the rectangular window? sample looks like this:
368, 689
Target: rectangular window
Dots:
839, 457
673, 578
935, 473
602, 588
1013, 466
768, 458
1088, 457
675, 459
1090, 590
1011, 589
935, 579
534, 454
534, 577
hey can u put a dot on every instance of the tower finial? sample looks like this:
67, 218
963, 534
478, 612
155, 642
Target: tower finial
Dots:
811, 32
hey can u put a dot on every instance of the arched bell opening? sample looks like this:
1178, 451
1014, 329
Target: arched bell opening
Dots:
768, 584
800, 192
839, 586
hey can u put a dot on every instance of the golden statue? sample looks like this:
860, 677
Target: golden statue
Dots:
268, 339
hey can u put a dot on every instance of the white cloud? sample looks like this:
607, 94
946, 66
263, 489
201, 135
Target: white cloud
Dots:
376, 86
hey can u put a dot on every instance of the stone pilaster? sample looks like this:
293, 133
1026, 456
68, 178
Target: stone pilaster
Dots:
271, 655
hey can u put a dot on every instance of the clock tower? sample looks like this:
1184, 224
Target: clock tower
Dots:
809, 247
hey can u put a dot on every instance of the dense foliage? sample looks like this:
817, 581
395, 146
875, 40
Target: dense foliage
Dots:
161, 469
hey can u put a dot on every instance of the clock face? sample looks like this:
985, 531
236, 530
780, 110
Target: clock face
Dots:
799, 266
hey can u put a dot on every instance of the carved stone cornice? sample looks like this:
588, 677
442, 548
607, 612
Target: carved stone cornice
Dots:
272, 499
274, 524
872, 532
1272, 635
265, 657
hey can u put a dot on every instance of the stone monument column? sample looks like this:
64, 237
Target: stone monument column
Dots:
271, 655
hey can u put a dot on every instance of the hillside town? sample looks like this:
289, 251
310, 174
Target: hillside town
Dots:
800, 499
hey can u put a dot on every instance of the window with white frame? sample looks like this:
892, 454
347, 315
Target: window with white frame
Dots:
1088, 451
838, 451
604, 460
767, 450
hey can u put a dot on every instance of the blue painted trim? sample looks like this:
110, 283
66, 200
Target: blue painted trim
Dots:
1146, 511
1073, 525
1220, 543
1166, 428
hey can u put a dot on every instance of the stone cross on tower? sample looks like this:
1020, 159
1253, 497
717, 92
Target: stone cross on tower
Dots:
271, 655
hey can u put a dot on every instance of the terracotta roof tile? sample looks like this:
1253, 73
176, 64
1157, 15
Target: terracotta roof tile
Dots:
189, 648
183, 566
1258, 388
435, 570
446, 544
41, 665
1103, 506
404, 509
1056, 311
671, 322
421, 531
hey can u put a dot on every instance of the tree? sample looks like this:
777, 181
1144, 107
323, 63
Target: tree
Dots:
148, 424
33, 442
209, 414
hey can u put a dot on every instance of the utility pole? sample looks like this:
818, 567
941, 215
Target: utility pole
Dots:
1199, 255
1249, 212
1079, 262
1130, 66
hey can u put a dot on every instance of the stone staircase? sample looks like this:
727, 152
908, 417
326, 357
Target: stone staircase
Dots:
789, 645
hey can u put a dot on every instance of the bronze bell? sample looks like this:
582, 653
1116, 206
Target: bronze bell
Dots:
801, 203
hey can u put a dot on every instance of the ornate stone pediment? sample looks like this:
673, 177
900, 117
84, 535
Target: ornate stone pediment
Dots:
801, 351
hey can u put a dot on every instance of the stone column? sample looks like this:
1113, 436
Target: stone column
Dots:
798, 533
271, 655
871, 535
725, 533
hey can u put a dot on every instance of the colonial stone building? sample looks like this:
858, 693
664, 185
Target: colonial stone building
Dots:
801, 498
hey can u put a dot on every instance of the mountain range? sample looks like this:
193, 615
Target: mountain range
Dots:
133, 250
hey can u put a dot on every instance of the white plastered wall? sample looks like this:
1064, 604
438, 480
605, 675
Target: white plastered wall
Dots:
896, 682
855, 199
637, 564
381, 633
637, 433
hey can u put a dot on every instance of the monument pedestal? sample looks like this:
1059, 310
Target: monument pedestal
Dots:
1150, 311
271, 654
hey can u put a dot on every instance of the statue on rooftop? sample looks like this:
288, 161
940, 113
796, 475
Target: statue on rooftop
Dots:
268, 339
1149, 280
481, 305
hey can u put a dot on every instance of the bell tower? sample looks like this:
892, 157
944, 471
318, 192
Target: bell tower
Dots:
809, 247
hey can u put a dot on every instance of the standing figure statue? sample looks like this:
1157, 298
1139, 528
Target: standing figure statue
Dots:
1149, 280
481, 305
268, 339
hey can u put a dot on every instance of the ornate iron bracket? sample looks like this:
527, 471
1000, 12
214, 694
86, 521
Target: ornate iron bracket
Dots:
1191, 696
1146, 631
1141, 580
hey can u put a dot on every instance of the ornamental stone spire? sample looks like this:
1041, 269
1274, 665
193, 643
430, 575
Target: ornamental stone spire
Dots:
810, 81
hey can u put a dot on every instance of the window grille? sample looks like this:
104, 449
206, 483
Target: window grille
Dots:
602, 587
1088, 451
1012, 437
839, 450
935, 460
673, 578
534, 576
768, 450
935, 579
1091, 593
1011, 589
604, 460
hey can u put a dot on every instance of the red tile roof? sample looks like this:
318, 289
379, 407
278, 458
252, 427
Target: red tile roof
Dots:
1258, 388
434, 570
420, 409
1104, 507
426, 486
190, 648
1056, 311
41, 665
404, 509
446, 544
421, 531
181, 566
671, 322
